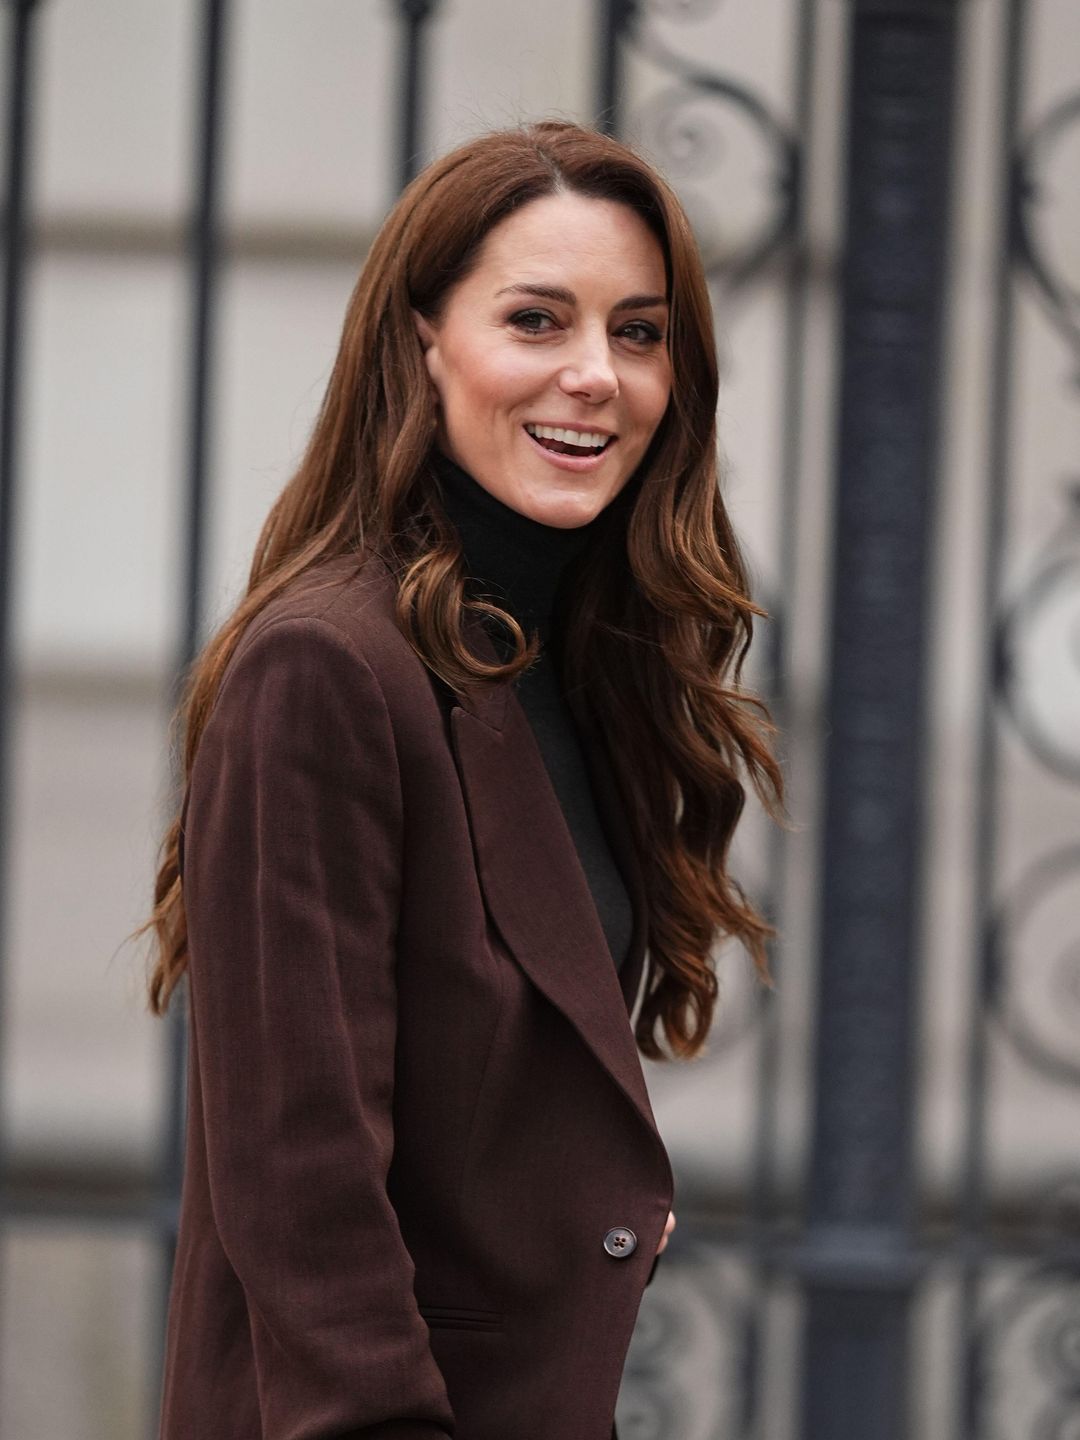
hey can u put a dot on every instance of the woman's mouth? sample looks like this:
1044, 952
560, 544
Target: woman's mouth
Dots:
572, 449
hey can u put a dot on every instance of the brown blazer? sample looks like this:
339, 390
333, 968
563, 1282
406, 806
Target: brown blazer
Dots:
416, 1110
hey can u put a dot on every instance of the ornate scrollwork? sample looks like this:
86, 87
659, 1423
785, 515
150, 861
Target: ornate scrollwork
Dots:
1033, 167
1029, 1357
1035, 966
1057, 1347
686, 1368
686, 127
1038, 655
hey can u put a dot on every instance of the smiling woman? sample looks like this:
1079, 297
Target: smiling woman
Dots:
552, 408
461, 776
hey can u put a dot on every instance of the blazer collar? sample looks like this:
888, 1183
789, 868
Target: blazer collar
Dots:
533, 884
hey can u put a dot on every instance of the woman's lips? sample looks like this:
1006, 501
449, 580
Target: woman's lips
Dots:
572, 462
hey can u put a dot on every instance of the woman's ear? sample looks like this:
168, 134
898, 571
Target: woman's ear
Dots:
428, 337
424, 329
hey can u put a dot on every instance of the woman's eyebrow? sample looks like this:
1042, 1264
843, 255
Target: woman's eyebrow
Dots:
567, 297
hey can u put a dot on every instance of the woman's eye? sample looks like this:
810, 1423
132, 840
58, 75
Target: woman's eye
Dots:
538, 322
644, 333
530, 320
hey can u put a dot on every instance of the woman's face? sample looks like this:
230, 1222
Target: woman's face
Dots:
550, 357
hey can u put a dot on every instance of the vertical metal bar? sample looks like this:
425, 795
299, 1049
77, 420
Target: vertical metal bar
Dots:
763, 1195
859, 1272
615, 20
20, 64
415, 15
763, 1189
205, 247
205, 250
973, 1197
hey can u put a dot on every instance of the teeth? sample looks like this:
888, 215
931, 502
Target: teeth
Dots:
585, 438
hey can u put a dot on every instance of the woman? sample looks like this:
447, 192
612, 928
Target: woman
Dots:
469, 747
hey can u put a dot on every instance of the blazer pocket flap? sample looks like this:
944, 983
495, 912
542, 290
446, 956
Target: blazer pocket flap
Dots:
454, 1317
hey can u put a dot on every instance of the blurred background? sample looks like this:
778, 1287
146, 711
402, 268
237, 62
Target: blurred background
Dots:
878, 1161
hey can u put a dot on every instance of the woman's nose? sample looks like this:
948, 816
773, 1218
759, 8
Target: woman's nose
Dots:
589, 371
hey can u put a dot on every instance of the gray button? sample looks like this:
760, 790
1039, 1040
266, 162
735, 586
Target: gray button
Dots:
620, 1242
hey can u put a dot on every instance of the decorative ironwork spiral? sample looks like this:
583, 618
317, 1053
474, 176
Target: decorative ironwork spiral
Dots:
1029, 1349
686, 1367
1034, 966
650, 1406
1038, 654
1057, 1347
686, 126
1047, 147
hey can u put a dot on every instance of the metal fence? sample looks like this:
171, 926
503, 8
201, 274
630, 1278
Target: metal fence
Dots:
849, 1296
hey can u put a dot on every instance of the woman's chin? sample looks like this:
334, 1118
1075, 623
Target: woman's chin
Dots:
562, 509
565, 519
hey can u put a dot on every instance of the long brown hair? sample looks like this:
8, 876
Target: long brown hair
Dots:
661, 617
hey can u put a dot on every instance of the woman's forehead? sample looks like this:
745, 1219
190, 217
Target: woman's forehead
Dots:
552, 240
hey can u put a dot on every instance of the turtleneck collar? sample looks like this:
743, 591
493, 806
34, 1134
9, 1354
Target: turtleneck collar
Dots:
517, 561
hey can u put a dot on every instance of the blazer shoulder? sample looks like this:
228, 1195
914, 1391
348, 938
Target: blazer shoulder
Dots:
353, 595
351, 600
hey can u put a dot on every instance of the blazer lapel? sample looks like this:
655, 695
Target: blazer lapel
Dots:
616, 823
534, 886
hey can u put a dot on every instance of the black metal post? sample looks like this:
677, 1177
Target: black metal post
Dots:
15, 250
859, 1266
415, 15
205, 254
205, 248
615, 17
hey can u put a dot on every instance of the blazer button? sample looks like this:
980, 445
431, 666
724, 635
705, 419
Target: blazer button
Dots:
620, 1242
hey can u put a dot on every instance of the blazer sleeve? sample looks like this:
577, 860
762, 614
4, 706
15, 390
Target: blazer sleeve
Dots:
291, 883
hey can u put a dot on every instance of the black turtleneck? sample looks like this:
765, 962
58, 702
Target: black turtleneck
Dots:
519, 564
